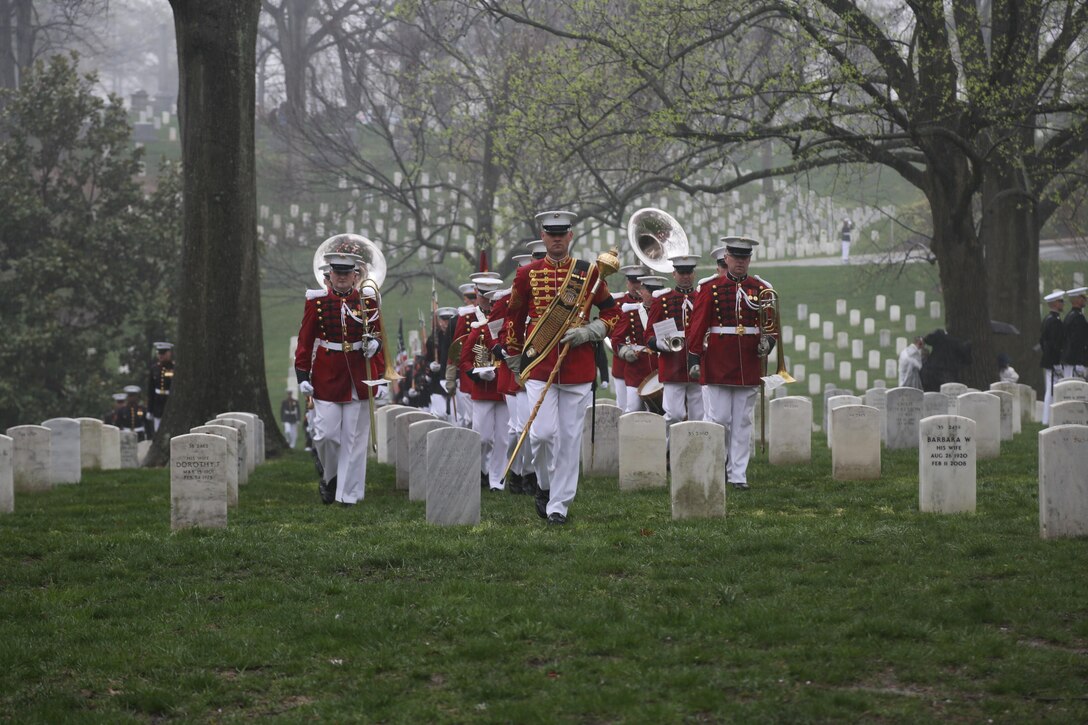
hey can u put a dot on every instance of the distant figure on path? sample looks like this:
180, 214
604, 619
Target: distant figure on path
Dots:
289, 415
847, 227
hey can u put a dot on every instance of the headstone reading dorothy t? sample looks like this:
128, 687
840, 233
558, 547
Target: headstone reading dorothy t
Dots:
198, 481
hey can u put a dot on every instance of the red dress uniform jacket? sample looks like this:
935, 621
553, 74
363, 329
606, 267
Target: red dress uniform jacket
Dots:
629, 331
508, 382
618, 363
330, 344
481, 389
535, 286
460, 335
672, 367
724, 331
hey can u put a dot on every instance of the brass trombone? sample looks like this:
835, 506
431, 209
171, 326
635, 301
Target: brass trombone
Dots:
769, 328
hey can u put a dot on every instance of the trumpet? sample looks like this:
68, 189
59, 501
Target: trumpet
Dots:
675, 343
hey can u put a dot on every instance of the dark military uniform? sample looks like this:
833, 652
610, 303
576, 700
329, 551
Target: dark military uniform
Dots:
158, 387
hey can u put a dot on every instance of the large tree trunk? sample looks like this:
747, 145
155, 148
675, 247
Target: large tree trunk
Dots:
220, 345
7, 47
963, 283
1012, 259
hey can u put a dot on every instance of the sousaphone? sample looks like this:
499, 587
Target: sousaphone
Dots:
655, 236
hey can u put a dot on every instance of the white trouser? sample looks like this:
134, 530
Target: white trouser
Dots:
154, 422
514, 423
290, 431
341, 433
437, 407
732, 406
1068, 371
846, 251
634, 401
621, 394
556, 437
682, 401
464, 410
490, 420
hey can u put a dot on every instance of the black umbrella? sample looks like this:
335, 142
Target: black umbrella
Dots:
1003, 328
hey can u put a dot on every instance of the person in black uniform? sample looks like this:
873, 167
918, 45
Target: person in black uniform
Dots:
1075, 347
159, 382
946, 358
111, 417
1051, 340
436, 353
133, 416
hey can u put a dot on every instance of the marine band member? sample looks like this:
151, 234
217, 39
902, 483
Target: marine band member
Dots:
337, 352
629, 337
683, 396
161, 379
556, 433
725, 347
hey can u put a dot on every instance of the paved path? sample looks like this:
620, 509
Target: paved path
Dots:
1050, 250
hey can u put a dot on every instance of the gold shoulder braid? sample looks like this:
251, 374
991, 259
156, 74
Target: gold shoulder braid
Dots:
556, 319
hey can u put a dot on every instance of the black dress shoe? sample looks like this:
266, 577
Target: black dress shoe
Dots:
542, 498
742, 486
557, 519
513, 482
529, 484
484, 482
317, 465
327, 489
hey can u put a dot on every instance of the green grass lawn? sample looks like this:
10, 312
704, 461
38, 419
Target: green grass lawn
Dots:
814, 600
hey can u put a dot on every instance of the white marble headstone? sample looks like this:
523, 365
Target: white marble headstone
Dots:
90, 442
198, 481
111, 448
404, 461
985, 410
837, 401
64, 465
697, 467
7, 475
249, 431
453, 476
642, 451
935, 404
417, 455
789, 431
878, 398
129, 457
31, 450
381, 431
953, 389
1063, 485
946, 464
240, 427
601, 454
905, 409
1014, 390
1027, 402
855, 452
1070, 390
1071, 412
231, 436
1006, 412
255, 433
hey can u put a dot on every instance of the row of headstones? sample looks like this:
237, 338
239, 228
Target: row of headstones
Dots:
208, 464
632, 448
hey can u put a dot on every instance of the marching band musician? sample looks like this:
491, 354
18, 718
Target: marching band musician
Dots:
683, 396
556, 433
456, 381
337, 352
628, 337
725, 347
631, 273
134, 416
489, 415
520, 479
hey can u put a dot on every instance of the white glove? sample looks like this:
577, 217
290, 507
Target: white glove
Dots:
628, 353
604, 385
763, 347
662, 345
371, 347
487, 375
593, 332
435, 366
306, 387
514, 363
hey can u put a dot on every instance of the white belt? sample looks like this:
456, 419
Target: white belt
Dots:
719, 330
338, 346
160, 391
